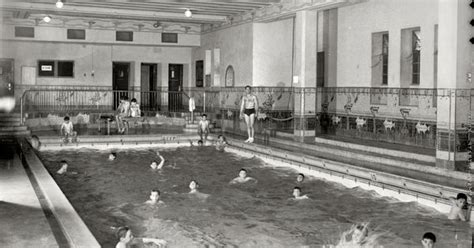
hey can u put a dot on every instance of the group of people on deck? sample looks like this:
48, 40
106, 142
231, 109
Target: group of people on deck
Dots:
126, 109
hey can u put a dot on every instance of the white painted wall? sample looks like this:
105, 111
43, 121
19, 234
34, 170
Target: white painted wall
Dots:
235, 44
91, 57
357, 22
59, 34
272, 51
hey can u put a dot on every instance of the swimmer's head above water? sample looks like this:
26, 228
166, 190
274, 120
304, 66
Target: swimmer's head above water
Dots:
112, 156
193, 185
300, 178
154, 196
243, 173
428, 240
124, 234
154, 165
359, 234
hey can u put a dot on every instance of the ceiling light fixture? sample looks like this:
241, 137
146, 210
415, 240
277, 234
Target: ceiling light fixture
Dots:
47, 18
188, 13
59, 4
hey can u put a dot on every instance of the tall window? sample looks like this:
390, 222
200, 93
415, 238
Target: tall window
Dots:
410, 57
416, 48
385, 59
380, 59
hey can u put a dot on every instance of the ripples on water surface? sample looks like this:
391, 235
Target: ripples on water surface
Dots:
108, 194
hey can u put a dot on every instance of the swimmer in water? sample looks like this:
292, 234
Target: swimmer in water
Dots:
155, 166
300, 178
242, 178
459, 208
112, 156
126, 239
63, 169
221, 143
359, 237
193, 185
297, 194
428, 240
154, 197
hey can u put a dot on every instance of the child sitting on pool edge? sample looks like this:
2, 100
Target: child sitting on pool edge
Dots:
126, 239
135, 108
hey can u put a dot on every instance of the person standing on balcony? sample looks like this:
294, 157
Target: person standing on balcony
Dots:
248, 111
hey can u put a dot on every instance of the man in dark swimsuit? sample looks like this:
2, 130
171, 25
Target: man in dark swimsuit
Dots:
248, 111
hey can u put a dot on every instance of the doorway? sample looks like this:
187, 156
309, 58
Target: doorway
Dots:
120, 81
149, 97
6, 78
175, 86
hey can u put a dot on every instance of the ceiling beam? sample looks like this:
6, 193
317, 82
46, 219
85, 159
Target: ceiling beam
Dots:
120, 13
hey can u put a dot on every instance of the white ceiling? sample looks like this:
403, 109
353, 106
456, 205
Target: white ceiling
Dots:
204, 11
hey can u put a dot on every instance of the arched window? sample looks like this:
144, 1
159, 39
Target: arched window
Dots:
229, 76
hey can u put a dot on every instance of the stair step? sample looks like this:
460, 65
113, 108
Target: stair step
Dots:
15, 133
192, 125
9, 115
190, 130
377, 151
9, 123
10, 118
13, 128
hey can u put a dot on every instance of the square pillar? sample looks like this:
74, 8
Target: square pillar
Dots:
304, 77
454, 100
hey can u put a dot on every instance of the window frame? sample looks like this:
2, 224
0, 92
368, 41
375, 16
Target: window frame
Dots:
75, 30
123, 32
18, 30
385, 54
55, 68
416, 59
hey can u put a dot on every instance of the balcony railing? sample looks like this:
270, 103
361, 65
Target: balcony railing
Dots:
391, 114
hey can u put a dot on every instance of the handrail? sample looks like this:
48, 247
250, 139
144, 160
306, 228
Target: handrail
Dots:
22, 101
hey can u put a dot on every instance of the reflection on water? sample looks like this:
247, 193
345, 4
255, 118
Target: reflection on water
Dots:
108, 194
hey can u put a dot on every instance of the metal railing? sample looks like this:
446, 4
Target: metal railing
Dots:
59, 101
391, 114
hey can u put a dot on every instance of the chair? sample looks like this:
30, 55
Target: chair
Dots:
108, 119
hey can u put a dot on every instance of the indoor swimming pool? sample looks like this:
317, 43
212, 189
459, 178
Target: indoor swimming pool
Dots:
108, 194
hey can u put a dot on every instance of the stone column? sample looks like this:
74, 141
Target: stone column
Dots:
304, 75
453, 97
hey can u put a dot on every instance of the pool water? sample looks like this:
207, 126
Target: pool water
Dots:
108, 194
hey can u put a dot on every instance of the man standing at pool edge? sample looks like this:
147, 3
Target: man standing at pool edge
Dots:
248, 111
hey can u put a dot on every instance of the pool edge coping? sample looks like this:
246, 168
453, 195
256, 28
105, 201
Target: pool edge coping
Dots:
73, 227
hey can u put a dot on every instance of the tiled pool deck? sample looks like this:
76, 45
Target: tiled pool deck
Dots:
34, 228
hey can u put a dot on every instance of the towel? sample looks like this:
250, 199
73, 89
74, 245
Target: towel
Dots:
192, 104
